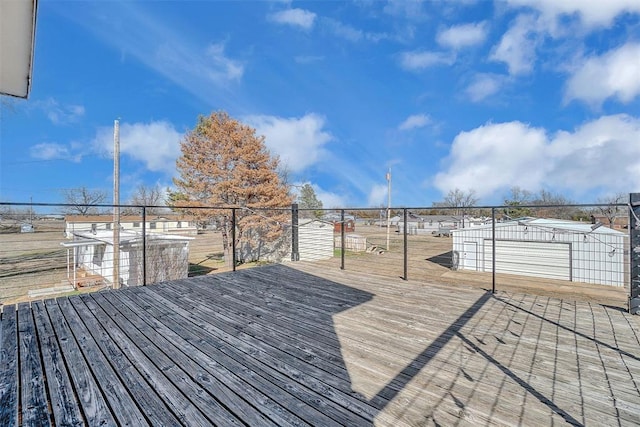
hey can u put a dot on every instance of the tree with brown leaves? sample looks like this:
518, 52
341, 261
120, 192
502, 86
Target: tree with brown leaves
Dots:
225, 164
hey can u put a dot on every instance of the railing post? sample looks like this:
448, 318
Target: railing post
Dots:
493, 250
144, 246
295, 251
341, 239
634, 253
233, 238
405, 252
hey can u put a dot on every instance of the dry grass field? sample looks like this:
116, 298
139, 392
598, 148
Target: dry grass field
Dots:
30, 261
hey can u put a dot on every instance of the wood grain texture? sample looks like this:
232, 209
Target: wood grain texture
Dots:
33, 397
91, 401
65, 407
9, 367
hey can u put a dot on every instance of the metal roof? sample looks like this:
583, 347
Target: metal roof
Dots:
550, 224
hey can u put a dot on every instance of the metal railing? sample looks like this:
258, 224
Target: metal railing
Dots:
43, 252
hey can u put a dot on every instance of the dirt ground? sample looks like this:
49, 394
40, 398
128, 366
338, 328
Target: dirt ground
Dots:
37, 260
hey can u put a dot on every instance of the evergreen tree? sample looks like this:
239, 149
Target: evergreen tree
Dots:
308, 202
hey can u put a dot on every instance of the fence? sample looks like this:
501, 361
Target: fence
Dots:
44, 252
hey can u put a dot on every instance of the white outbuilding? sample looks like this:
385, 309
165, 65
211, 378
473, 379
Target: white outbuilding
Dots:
315, 240
550, 248
167, 257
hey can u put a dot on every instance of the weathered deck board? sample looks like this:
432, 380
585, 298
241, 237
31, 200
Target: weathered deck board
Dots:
154, 339
305, 346
71, 328
9, 367
65, 407
91, 402
271, 360
33, 398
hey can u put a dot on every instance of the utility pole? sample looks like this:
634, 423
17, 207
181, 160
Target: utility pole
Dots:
116, 204
389, 206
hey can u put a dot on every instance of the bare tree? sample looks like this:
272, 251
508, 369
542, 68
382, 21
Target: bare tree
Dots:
518, 197
82, 200
152, 197
554, 205
458, 199
611, 211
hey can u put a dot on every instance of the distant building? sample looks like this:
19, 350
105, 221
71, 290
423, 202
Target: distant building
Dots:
165, 224
167, 256
336, 219
551, 248
434, 224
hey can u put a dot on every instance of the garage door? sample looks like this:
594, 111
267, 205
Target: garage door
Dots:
538, 259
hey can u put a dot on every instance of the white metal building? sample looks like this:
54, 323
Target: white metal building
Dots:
551, 248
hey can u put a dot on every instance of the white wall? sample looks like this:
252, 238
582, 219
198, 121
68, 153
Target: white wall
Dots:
593, 259
315, 241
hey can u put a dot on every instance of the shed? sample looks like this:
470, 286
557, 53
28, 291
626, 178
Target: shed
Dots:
167, 256
551, 248
315, 240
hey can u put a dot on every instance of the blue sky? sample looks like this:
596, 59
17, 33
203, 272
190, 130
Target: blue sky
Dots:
540, 94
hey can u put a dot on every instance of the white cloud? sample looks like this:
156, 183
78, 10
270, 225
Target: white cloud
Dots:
592, 14
222, 67
165, 47
614, 74
298, 141
212, 66
53, 151
419, 60
350, 33
483, 86
344, 31
461, 36
410, 9
415, 121
60, 114
517, 48
378, 195
600, 155
294, 17
155, 144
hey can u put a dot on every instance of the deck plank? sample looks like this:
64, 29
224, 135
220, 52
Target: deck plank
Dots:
117, 394
33, 396
297, 369
311, 406
230, 393
91, 401
169, 376
154, 408
9, 367
234, 373
63, 401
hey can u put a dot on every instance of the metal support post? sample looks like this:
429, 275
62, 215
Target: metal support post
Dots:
233, 238
493, 250
405, 252
341, 239
295, 250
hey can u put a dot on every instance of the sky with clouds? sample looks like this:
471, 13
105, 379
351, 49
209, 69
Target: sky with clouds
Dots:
475, 95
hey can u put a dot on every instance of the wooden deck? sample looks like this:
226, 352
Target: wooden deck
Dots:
282, 346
